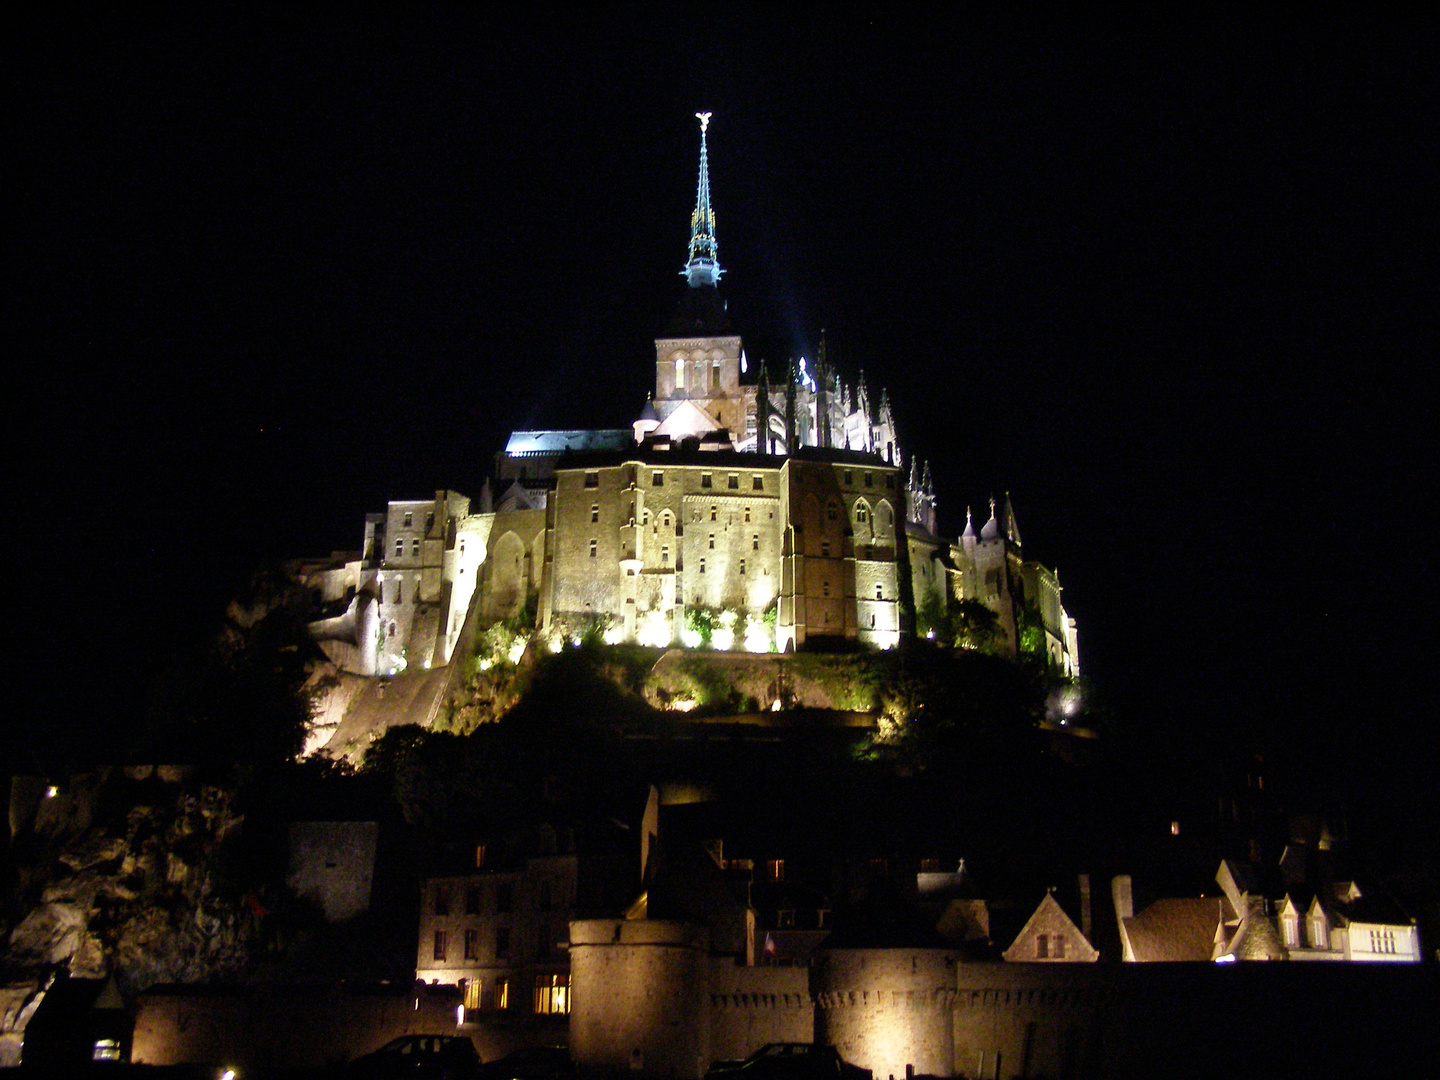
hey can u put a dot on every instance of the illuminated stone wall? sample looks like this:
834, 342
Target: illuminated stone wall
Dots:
752, 1006
884, 1009
640, 995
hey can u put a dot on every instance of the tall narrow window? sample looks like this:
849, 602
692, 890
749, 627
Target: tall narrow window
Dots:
665, 555
705, 480
679, 374
502, 943
415, 546
733, 482
552, 994
399, 547
437, 952
1042, 946
712, 541
594, 511
442, 902
409, 519
593, 545
472, 944
757, 484
742, 567
755, 542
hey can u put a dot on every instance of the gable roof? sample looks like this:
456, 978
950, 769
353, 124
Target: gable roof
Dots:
1050, 918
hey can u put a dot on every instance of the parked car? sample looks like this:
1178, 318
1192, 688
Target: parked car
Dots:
425, 1057
532, 1063
789, 1061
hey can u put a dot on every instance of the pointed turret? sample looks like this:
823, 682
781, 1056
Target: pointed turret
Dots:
703, 266
1012, 530
649, 420
969, 526
991, 529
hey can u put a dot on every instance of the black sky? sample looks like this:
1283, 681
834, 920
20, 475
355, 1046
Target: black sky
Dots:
1170, 285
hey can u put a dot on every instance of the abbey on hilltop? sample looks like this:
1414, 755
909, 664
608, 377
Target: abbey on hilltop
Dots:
775, 509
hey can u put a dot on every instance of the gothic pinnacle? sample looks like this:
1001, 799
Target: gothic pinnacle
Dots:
703, 266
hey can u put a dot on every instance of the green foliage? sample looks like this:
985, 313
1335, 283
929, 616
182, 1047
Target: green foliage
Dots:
703, 621
960, 624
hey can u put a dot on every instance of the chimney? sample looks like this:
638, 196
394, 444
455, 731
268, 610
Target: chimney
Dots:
1085, 906
1124, 909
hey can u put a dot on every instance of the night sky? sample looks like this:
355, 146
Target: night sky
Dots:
1169, 285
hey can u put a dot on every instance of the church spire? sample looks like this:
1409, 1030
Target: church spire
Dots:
703, 267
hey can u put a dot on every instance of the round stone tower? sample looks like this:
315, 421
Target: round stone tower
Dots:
639, 996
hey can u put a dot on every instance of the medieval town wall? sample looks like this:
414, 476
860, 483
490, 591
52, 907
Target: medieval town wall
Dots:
752, 1006
886, 1009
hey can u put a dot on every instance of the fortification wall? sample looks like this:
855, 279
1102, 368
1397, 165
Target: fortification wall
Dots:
886, 1009
752, 1006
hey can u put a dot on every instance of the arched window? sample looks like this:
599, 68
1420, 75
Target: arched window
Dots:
679, 374
862, 513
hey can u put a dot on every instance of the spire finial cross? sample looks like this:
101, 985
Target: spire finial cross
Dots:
704, 118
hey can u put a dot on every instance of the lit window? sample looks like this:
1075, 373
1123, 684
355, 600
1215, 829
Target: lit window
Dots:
473, 996
106, 1050
552, 995
594, 511
438, 952
593, 544
502, 994
775, 869
679, 374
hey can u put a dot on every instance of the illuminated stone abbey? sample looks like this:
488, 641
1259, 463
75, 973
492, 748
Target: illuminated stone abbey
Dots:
776, 510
